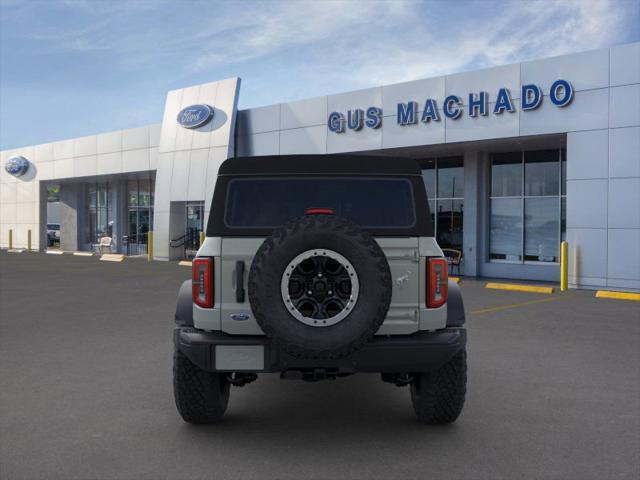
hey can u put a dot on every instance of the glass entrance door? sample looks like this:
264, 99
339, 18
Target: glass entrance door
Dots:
139, 224
100, 217
140, 215
194, 225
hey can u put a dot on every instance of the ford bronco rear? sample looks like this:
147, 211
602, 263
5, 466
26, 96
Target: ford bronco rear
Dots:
317, 267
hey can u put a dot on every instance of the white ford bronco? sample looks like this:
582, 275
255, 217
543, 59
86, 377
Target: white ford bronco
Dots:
317, 267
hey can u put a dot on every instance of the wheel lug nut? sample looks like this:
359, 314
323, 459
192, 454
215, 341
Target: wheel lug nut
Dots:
309, 292
319, 275
330, 292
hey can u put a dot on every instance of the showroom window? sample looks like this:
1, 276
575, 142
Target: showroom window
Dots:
194, 225
527, 206
444, 180
100, 212
139, 214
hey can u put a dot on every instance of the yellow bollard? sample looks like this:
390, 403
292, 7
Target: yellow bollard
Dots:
201, 239
10, 239
150, 247
29, 240
564, 266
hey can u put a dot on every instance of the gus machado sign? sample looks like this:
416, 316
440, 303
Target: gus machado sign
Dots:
560, 95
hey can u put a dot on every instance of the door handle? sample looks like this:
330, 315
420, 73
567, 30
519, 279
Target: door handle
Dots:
240, 281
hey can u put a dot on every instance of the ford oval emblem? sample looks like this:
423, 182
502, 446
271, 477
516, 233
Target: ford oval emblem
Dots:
17, 166
240, 317
195, 116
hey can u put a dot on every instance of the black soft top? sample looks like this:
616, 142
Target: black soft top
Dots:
320, 164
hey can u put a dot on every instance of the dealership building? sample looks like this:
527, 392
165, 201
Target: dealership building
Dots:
515, 159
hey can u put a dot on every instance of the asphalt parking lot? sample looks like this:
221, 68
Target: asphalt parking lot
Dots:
85, 391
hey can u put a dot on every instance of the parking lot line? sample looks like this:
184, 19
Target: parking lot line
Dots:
515, 287
618, 295
480, 311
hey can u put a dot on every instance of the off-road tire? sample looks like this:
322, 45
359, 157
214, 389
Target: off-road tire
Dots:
201, 397
438, 397
334, 233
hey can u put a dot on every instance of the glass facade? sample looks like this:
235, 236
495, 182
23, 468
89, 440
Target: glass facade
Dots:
444, 181
53, 215
527, 206
139, 215
100, 218
194, 225
120, 209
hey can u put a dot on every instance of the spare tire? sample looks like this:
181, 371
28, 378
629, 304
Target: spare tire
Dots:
320, 286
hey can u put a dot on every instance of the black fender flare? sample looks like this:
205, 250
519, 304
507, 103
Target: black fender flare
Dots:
184, 306
455, 306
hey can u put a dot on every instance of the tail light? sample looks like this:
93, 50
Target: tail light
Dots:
437, 282
202, 282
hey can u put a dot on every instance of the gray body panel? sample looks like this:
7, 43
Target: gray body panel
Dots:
407, 262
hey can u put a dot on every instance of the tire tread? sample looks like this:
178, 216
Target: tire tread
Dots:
201, 397
438, 397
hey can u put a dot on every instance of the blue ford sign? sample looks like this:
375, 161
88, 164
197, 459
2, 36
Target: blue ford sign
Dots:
195, 116
17, 166
476, 104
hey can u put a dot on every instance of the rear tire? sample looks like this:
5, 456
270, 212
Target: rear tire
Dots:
201, 396
438, 397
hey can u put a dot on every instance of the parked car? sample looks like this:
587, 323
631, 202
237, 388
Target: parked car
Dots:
53, 234
316, 267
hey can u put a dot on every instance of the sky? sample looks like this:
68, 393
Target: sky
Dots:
70, 68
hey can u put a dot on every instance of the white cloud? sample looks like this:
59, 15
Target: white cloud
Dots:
130, 52
287, 26
521, 31
383, 41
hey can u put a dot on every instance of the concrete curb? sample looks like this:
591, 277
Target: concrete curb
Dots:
515, 287
634, 297
112, 257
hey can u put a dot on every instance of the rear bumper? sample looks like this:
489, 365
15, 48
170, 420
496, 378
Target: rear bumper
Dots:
420, 352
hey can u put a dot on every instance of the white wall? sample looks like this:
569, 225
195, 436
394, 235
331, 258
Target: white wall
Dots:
123, 151
188, 159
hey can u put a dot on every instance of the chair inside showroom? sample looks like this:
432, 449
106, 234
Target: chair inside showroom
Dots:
454, 257
104, 243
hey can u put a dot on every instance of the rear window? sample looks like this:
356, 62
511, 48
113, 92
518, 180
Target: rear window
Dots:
370, 202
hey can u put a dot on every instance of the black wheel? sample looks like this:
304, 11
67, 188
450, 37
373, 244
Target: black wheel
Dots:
438, 397
320, 287
201, 397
